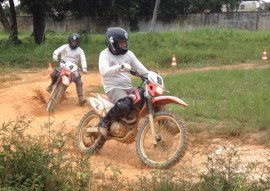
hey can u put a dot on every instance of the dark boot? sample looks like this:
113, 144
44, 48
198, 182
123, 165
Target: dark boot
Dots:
54, 79
79, 90
49, 88
82, 101
103, 127
123, 106
105, 123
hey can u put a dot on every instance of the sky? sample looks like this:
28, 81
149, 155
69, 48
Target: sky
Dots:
16, 2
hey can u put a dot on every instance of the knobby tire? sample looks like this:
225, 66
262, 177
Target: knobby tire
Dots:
172, 141
89, 142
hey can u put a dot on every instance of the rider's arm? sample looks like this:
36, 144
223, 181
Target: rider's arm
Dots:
83, 60
136, 64
59, 50
105, 68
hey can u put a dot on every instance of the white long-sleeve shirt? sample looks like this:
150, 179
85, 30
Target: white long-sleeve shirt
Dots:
68, 54
111, 73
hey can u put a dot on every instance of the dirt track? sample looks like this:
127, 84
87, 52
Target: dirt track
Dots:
18, 99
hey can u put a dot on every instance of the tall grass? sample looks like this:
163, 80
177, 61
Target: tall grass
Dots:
199, 47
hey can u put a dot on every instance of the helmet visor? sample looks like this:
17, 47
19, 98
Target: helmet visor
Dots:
122, 44
74, 43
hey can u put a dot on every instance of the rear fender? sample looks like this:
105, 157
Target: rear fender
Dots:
162, 100
100, 104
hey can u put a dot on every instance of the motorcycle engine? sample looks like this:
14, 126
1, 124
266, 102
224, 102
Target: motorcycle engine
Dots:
121, 127
118, 129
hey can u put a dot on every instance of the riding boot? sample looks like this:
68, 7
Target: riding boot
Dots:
105, 122
82, 101
122, 107
49, 88
103, 127
54, 79
79, 90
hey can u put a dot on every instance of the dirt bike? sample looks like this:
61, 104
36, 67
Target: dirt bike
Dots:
161, 136
64, 79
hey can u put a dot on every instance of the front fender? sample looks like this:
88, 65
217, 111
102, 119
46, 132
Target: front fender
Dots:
162, 100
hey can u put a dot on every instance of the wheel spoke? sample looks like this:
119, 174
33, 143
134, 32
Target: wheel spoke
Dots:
167, 143
87, 136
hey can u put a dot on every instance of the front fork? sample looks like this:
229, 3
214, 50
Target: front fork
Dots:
55, 86
151, 119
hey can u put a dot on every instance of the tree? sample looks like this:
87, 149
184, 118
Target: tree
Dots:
39, 9
4, 19
127, 9
86, 8
232, 5
12, 26
39, 20
13, 37
155, 16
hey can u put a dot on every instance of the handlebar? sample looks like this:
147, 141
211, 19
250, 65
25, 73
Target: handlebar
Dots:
144, 77
64, 62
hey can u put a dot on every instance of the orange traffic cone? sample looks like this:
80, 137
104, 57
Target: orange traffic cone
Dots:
50, 70
173, 60
264, 56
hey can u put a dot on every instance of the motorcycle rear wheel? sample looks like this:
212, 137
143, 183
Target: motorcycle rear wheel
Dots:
89, 142
56, 96
171, 137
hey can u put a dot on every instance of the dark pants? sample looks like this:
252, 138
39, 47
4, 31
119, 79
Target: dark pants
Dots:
123, 104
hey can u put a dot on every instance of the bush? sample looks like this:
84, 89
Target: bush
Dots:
31, 163
47, 162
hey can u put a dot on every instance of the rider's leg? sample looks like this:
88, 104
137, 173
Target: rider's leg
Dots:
53, 76
78, 81
122, 107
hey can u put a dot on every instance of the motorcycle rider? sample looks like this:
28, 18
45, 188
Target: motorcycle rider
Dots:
115, 62
70, 52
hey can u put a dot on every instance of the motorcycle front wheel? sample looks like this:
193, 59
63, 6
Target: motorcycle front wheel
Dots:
55, 97
171, 138
87, 137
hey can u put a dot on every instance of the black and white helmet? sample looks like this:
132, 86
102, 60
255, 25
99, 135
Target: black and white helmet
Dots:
74, 40
113, 36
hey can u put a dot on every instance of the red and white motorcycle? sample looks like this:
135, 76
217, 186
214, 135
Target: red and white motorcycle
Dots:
64, 79
161, 136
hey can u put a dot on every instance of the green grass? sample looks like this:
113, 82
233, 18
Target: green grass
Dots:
199, 47
30, 55
237, 98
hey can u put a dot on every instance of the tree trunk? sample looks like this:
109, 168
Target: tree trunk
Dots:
39, 23
39, 20
154, 19
4, 19
13, 36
